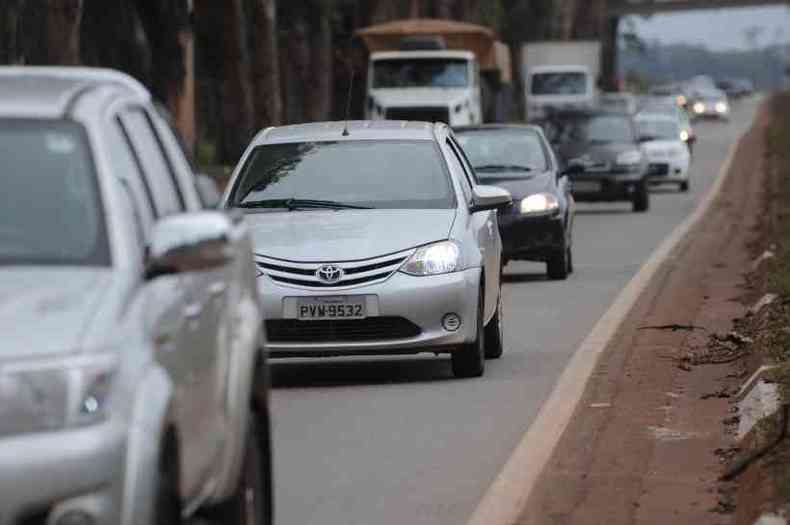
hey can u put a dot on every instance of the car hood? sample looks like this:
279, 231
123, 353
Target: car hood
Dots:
419, 97
48, 310
319, 236
520, 187
654, 147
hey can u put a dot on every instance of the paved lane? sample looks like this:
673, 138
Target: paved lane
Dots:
399, 441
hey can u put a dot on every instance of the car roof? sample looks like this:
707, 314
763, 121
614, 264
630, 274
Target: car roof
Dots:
588, 112
422, 54
49, 92
357, 130
647, 115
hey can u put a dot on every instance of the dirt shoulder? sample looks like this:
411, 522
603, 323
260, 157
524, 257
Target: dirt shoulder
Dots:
654, 429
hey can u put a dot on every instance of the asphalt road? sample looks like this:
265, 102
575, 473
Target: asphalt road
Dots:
400, 441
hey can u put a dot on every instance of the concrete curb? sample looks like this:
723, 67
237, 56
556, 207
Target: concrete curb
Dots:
507, 496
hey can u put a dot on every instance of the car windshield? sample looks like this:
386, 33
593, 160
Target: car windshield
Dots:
559, 83
50, 212
592, 129
658, 129
371, 174
504, 153
424, 72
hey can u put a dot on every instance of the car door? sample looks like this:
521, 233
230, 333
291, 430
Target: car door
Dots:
493, 239
219, 289
183, 352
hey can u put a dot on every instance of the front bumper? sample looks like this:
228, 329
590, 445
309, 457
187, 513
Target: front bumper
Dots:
47, 475
531, 238
423, 301
667, 170
608, 187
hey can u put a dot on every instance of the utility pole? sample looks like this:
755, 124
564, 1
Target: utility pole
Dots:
414, 9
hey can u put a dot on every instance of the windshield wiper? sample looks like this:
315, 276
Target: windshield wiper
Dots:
504, 167
300, 204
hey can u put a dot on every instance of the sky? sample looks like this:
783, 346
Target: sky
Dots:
717, 28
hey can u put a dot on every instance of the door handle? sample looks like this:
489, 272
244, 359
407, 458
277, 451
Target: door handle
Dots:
218, 288
192, 311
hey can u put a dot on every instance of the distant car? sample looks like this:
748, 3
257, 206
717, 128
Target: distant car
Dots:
668, 155
666, 106
374, 238
539, 224
624, 102
601, 154
132, 385
676, 92
711, 104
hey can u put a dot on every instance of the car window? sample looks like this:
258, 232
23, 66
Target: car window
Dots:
595, 129
658, 129
504, 152
51, 211
156, 169
125, 166
377, 174
456, 166
182, 163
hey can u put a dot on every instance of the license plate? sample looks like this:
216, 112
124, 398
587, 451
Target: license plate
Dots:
331, 308
586, 186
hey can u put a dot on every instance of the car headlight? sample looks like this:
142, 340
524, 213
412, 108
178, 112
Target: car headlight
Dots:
681, 100
434, 259
684, 135
629, 158
699, 107
721, 107
539, 203
65, 394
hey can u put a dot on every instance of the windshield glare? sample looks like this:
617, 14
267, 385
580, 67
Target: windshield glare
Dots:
601, 129
376, 174
425, 72
658, 129
569, 83
504, 148
50, 211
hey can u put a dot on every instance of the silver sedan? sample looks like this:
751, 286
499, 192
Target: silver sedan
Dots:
373, 238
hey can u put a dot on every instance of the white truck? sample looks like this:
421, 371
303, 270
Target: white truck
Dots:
429, 70
560, 75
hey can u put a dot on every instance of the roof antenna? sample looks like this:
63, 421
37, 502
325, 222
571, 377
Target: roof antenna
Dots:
350, 62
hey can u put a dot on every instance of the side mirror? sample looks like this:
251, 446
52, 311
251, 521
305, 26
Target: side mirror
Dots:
572, 169
207, 190
489, 198
189, 242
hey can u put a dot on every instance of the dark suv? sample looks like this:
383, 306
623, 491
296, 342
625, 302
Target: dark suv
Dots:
600, 152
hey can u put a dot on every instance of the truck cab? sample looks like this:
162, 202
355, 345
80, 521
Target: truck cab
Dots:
432, 86
559, 87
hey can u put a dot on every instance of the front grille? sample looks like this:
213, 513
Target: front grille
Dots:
340, 331
658, 169
354, 273
420, 114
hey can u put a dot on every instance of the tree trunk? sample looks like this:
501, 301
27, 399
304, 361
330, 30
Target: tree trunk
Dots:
63, 31
266, 75
237, 107
319, 98
298, 74
10, 16
444, 8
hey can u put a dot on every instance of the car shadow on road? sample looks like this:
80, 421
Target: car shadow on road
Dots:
524, 277
359, 371
604, 211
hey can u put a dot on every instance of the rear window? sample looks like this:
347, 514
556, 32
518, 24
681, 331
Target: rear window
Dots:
564, 83
50, 210
374, 174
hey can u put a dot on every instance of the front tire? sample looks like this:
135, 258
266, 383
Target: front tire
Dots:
557, 267
469, 359
167, 510
494, 335
684, 186
251, 502
641, 200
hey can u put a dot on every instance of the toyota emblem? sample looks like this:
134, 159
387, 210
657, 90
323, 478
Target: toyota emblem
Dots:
329, 273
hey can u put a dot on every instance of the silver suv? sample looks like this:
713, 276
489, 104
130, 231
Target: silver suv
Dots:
373, 238
132, 390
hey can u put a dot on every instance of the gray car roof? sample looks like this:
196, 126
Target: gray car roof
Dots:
48, 92
357, 130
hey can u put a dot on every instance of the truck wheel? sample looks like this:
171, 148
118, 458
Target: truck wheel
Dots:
641, 201
684, 186
469, 359
494, 336
167, 510
251, 502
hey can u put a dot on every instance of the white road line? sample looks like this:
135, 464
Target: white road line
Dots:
507, 496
